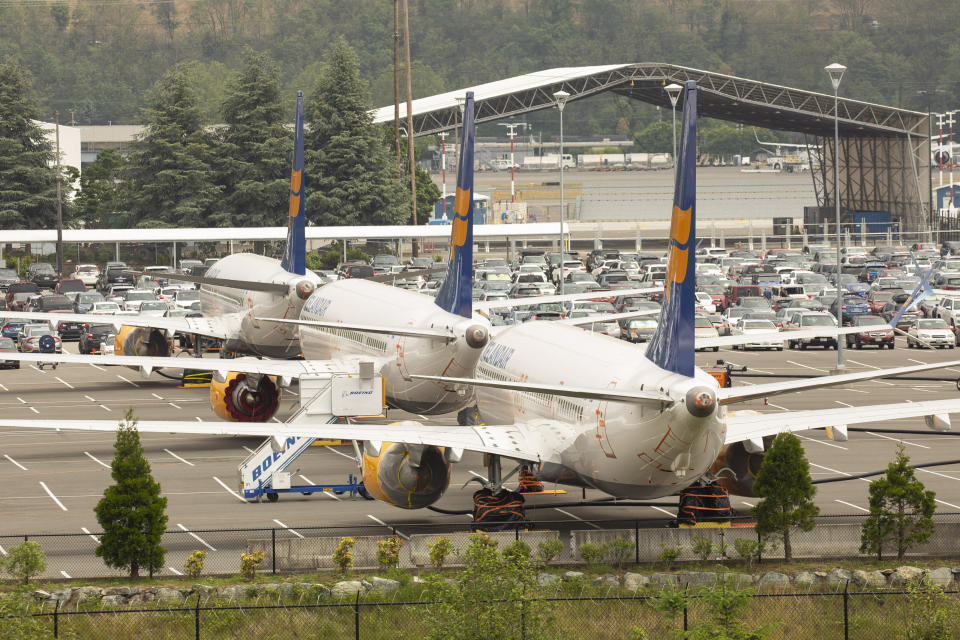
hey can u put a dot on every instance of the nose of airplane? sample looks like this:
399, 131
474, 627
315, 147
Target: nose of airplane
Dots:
701, 401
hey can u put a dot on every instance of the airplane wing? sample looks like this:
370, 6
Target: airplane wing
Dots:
559, 390
570, 297
742, 427
817, 332
536, 440
223, 327
607, 317
446, 334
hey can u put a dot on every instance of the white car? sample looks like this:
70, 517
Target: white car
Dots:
105, 308
86, 273
153, 308
133, 298
183, 299
703, 328
705, 302
746, 326
930, 332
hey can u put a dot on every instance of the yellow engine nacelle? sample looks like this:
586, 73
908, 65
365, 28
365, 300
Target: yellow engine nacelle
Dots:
242, 399
141, 341
744, 464
397, 477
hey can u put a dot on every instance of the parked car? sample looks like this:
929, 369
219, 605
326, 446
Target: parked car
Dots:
30, 337
7, 278
86, 273
7, 345
93, 336
878, 335
639, 329
810, 320
703, 328
70, 284
930, 332
42, 274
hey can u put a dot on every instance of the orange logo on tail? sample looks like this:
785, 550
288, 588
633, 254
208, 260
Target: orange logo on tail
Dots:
295, 194
679, 248
461, 206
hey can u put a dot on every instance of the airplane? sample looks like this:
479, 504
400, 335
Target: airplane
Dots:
585, 410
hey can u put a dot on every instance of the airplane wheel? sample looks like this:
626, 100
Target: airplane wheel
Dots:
273, 497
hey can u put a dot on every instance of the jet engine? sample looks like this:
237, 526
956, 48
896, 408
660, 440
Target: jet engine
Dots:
141, 341
244, 398
406, 476
737, 465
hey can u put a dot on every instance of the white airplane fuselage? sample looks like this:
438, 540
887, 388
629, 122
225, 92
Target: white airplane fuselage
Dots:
362, 302
268, 339
634, 450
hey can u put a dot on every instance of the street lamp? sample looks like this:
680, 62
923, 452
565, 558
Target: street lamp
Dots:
835, 71
561, 98
673, 91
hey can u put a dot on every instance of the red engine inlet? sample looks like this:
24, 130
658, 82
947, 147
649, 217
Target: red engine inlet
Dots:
247, 404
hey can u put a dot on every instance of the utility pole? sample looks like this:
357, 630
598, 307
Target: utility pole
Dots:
512, 126
59, 208
413, 174
396, 83
443, 170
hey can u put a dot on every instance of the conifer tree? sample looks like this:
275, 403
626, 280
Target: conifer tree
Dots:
131, 512
351, 174
170, 180
901, 510
786, 488
28, 186
254, 162
99, 202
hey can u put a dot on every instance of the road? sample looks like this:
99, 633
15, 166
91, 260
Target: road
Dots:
53, 480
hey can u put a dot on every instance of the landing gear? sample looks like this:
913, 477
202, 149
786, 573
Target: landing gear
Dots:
704, 501
494, 507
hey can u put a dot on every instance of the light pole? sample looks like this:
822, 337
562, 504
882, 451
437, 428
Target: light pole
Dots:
835, 71
512, 126
673, 91
561, 98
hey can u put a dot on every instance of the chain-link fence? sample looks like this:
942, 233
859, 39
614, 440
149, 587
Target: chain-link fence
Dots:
794, 616
310, 548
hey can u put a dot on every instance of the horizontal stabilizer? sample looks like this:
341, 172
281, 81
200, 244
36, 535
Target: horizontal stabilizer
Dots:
732, 395
569, 297
607, 317
414, 332
247, 285
557, 390
806, 334
225, 327
406, 275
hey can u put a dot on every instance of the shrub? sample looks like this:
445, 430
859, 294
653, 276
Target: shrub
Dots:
25, 561
591, 553
249, 563
440, 549
549, 549
702, 547
388, 552
668, 555
618, 550
194, 564
749, 550
517, 552
343, 556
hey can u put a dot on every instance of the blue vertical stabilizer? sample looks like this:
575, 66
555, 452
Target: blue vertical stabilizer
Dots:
295, 253
456, 292
672, 346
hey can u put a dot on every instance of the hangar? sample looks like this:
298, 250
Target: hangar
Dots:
883, 150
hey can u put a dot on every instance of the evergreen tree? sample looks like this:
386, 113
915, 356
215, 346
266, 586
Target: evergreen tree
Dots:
255, 158
351, 175
28, 185
99, 203
131, 511
170, 181
901, 510
428, 194
787, 491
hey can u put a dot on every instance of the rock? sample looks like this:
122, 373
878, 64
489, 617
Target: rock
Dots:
60, 596
740, 580
113, 601
805, 579
366, 585
169, 595
236, 592
547, 579
572, 575
607, 580
121, 591
774, 580
40, 594
838, 578
384, 585
941, 576
287, 589
869, 578
140, 598
697, 578
664, 579
634, 581
80, 594
346, 588
204, 589
904, 575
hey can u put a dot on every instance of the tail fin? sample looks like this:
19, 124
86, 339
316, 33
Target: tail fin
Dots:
922, 291
672, 345
456, 293
295, 253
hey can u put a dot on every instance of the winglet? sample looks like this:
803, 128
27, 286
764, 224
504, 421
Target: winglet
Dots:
922, 291
456, 292
295, 253
672, 345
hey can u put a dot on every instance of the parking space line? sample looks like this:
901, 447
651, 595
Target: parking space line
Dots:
175, 572
65, 575
89, 398
128, 381
852, 505
339, 453
843, 403
96, 367
61, 380
843, 473
103, 406
872, 433
823, 442
15, 462
50, 493
863, 364
937, 473
229, 490
776, 406
952, 506
34, 409
3, 551
807, 366
915, 361
87, 531
4, 388
477, 475
567, 513
175, 406
36, 369
156, 396
179, 458
21, 400
381, 522
288, 529
658, 509
747, 503
97, 460
196, 537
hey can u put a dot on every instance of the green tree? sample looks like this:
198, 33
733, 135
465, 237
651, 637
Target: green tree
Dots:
428, 194
169, 177
901, 510
25, 561
28, 185
131, 511
352, 173
254, 164
787, 491
656, 138
100, 201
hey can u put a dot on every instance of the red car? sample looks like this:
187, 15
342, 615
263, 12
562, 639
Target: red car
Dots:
880, 336
876, 299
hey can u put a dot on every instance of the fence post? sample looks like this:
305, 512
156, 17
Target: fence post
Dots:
56, 621
516, 532
273, 545
685, 609
356, 616
636, 541
196, 617
759, 548
846, 611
